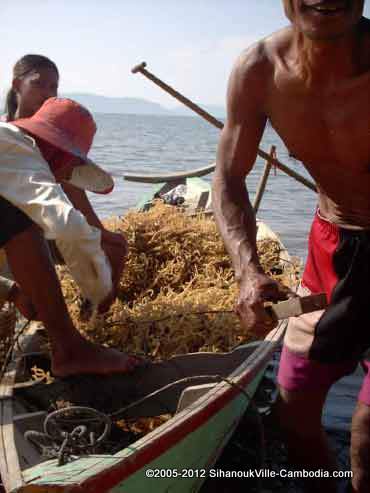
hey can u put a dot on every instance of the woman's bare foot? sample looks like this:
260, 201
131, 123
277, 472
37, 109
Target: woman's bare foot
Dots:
83, 357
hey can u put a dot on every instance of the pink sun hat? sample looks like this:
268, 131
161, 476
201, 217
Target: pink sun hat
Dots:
70, 127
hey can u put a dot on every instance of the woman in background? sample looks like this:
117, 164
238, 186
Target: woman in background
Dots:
36, 79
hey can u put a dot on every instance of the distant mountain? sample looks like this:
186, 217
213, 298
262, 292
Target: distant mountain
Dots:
214, 109
133, 106
137, 106
104, 104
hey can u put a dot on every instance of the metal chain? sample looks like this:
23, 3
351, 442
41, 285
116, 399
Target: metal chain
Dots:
74, 430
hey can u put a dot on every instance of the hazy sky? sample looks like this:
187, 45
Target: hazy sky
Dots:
191, 44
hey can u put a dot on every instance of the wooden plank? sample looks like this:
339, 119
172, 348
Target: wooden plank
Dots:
9, 463
10, 468
71, 473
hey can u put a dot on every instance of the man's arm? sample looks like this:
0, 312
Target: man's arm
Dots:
237, 152
80, 202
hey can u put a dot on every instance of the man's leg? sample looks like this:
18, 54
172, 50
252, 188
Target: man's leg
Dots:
360, 438
304, 385
360, 449
299, 414
29, 259
13, 222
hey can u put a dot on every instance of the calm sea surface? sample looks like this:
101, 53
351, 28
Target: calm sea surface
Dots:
155, 144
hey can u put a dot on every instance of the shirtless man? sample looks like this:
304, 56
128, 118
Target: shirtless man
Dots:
312, 82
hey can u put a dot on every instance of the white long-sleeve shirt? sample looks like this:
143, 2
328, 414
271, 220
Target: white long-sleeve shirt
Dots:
28, 183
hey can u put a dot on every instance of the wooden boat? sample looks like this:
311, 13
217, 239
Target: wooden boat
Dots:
206, 393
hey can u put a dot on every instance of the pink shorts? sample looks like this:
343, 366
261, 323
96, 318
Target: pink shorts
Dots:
323, 346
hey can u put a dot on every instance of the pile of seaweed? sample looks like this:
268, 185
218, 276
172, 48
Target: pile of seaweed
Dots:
178, 290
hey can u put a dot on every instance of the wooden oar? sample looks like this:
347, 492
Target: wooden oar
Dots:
170, 176
217, 123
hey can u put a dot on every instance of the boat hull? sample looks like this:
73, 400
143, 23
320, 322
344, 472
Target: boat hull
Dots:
178, 455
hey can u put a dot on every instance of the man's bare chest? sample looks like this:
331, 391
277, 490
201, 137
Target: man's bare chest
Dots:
332, 128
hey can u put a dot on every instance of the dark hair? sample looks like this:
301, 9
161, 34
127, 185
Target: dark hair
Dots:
23, 67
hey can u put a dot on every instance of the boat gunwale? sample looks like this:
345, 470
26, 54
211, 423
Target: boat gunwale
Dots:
12, 477
191, 418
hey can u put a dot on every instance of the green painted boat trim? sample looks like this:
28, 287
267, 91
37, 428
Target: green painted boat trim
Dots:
212, 432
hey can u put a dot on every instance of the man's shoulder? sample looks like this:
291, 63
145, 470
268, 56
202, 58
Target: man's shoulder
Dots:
259, 59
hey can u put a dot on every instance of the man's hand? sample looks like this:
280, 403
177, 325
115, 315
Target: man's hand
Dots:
114, 240
255, 290
115, 247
